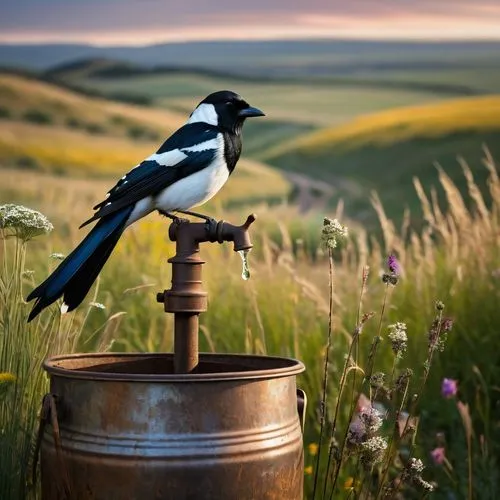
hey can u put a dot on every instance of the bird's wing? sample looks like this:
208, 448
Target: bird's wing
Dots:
187, 151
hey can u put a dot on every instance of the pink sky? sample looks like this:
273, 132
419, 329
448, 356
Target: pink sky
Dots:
137, 22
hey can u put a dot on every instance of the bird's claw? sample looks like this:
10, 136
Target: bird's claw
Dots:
175, 219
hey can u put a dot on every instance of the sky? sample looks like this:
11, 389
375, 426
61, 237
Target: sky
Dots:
141, 22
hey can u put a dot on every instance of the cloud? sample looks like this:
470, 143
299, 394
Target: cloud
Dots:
146, 21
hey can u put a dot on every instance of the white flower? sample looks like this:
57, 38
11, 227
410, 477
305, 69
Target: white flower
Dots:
24, 222
97, 305
371, 419
333, 232
416, 465
399, 339
373, 450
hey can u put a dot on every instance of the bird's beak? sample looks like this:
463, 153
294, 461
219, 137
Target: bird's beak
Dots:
250, 111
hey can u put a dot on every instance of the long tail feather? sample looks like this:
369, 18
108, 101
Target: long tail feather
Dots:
78, 271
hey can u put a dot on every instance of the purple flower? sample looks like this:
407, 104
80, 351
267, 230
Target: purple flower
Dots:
449, 388
447, 325
438, 455
393, 264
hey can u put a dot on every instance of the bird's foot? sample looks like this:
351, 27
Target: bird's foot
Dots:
210, 221
175, 219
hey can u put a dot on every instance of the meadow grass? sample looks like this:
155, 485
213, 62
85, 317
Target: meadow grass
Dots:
311, 103
19, 94
283, 310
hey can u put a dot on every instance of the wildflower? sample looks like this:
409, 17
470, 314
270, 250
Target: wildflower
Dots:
373, 450
371, 419
403, 380
24, 222
333, 233
377, 380
449, 388
363, 402
313, 449
416, 466
308, 470
356, 434
438, 333
397, 336
425, 485
350, 483
439, 305
7, 378
446, 325
438, 455
392, 277
57, 256
393, 265
28, 273
97, 305
413, 473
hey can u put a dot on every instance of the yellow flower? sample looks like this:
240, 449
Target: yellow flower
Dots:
308, 470
313, 449
350, 483
6, 378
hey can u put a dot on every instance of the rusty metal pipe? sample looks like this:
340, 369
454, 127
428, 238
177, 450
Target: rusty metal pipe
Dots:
186, 298
185, 342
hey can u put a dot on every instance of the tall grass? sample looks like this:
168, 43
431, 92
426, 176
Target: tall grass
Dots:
23, 348
283, 310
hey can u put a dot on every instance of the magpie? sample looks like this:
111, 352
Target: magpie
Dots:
188, 169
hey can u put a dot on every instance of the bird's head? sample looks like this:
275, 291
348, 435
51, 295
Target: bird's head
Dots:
224, 109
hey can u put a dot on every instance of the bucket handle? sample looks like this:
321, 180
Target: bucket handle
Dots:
301, 407
48, 414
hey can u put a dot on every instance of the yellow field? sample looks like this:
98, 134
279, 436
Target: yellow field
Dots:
399, 124
19, 94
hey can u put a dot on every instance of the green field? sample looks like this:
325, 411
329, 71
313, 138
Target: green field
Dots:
337, 126
385, 151
312, 102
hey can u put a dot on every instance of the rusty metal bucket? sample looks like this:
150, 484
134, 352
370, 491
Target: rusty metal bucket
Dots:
127, 427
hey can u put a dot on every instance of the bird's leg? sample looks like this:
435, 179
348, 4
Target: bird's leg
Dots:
170, 215
210, 221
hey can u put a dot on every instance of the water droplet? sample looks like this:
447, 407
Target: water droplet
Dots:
245, 273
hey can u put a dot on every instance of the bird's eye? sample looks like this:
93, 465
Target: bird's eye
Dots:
228, 103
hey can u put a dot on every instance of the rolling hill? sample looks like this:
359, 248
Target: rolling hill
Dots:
50, 129
384, 151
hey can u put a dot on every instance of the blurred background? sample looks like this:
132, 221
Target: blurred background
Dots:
384, 113
359, 95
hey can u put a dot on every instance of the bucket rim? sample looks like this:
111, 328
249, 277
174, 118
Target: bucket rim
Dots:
284, 367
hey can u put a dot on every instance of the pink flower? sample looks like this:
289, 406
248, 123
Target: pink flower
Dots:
449, 388
438, 455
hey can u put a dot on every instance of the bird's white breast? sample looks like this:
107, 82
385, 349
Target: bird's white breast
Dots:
197, 188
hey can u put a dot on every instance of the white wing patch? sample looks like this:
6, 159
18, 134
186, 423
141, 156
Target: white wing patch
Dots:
202, 146
169, 158
204, 113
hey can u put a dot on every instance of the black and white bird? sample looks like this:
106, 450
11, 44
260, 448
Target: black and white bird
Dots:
188, 169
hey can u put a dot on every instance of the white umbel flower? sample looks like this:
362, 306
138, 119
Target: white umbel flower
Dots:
333, 233
23, 222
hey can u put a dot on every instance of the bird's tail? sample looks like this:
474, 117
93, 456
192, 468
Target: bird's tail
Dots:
76, 273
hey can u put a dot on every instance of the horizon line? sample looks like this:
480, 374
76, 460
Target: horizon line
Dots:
304, 38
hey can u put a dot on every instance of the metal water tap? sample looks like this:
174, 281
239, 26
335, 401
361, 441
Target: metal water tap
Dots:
186, 299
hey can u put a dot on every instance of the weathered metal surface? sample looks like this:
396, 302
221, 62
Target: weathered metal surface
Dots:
186, 298
131, 429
